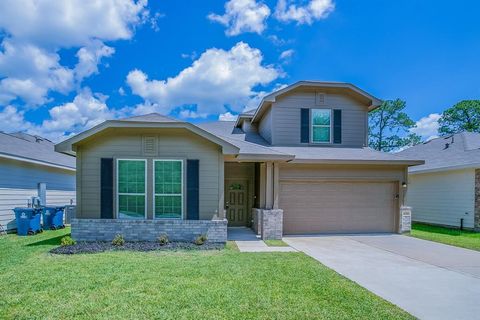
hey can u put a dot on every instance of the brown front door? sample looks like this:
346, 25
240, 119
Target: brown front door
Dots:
236, 202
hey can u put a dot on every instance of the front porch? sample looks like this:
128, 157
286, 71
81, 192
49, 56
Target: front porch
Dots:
251, 197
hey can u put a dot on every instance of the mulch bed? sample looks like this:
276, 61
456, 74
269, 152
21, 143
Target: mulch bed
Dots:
94, 247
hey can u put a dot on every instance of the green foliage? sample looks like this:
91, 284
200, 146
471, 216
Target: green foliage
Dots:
275, 243
194, 285
163, 239
464, 116
118, 240
454, 237
389, 127
200, 240
67, 241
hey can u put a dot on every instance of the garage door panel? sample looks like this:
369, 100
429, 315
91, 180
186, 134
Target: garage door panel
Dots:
331, 207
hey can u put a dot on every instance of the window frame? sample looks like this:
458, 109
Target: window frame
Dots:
182, 188
118, 194
330, 126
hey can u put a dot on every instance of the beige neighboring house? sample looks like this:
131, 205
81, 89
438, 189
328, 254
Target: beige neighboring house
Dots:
446, 189
30, 167
297, 164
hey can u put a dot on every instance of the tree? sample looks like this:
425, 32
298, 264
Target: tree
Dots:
389, 127
464, 116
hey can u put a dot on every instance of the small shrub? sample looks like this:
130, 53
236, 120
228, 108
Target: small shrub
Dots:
200, 240
67, 241
163, 239
118, 240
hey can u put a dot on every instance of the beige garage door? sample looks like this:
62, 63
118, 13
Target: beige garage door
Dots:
338, 207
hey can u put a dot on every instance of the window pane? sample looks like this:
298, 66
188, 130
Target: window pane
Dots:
131, 207
320, 117
168, 207
321, 134
131, 176
168, 177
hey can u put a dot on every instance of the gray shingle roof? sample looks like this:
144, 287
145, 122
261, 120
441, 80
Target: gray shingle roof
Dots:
33, 148
150, 117
461, 150
253, 143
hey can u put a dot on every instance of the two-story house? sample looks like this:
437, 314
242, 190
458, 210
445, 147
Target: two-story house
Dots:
297, 164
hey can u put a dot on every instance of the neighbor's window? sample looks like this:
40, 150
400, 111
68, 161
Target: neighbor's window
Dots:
131, 189
168, 177
321, 125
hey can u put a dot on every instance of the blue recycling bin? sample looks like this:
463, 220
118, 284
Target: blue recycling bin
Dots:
28, 221
53, 217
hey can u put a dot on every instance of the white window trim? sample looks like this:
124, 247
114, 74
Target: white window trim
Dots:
130, 194
169, 194
322, 126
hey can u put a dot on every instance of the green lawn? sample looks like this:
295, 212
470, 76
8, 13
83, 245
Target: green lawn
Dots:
275, 243
223, 284
454, 237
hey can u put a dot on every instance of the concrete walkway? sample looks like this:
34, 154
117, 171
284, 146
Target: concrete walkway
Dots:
248, 241
427, 279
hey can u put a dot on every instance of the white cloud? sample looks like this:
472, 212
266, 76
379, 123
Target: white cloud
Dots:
287, 54
218, 78
89, 57
227, 116
243, 16
85, 111
288, 11
427, 127
191, 114
35, 31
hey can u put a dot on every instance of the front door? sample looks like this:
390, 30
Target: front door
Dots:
236, 202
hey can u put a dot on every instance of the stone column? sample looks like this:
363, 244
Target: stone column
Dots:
405, 219
257, 220
272, 224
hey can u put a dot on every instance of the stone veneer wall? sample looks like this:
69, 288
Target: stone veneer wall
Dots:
148, 230
476, 223
257, 220
272, 224
405, 219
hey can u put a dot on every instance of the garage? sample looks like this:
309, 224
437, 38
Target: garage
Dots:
338, 206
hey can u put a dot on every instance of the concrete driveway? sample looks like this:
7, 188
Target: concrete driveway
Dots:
427, 279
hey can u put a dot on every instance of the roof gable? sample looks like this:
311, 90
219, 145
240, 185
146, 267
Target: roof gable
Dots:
147, 121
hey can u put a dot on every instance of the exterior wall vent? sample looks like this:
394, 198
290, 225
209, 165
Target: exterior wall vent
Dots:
319, 98
150, 146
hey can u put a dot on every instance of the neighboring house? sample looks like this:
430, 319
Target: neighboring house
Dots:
446, 189
300, 156
30, 167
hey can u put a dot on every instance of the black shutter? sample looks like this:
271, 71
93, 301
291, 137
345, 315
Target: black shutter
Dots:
106, 188
337, 126
304, 125
193, 183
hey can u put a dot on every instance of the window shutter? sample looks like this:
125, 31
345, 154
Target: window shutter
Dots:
106, 188
193, 184
337, 126
304, 125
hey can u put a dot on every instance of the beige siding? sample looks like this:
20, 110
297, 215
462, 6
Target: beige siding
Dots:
60, 197
443, 197
127, 143
265, 126
286, 117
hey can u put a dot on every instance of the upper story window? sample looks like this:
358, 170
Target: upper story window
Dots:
321, 125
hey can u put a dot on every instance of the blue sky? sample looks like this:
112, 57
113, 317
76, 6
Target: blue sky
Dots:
201, 59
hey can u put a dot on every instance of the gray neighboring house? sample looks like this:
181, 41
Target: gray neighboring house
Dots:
25, 162
446, 188
297, 164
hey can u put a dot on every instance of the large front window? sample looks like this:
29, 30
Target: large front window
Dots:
168, 188
321, 125
131, 185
